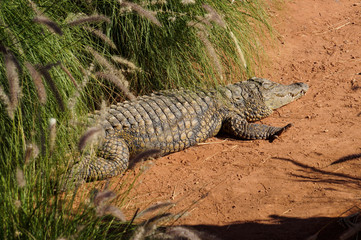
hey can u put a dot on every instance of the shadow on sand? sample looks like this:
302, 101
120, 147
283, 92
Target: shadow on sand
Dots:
282, 228
285, 228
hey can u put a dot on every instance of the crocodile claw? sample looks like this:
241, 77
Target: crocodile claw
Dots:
279, 132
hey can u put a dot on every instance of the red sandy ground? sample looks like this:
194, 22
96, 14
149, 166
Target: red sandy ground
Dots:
287, 189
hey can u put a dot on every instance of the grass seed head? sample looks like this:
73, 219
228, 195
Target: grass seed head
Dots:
101, 197
239, 50
150, 15
89, 19
90, 134
183, 233
139, 233
52, 133
20, 179
101, 35
5, 99
39, 86
111, 210
117, 82
126, 62
214, 16
155, 207
12, 74
44, 70
211, 52
186, 2
101, 60
69, 74
51, 25
32, 151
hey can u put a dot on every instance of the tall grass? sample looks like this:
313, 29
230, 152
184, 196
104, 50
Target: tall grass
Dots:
60, 59
192, 45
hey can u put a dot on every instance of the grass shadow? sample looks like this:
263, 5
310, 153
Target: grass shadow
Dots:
280, 228
347, 158
327, 176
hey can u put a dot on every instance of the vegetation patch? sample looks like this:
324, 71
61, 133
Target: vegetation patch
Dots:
61, 60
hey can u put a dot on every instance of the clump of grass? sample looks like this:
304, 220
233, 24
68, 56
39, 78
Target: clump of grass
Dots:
39, 70
190, 43
53, 66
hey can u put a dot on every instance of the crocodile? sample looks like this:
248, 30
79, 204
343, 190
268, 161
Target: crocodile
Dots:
173, 120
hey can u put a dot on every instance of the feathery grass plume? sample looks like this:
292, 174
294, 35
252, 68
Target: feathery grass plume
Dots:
72, 101
34, 7
186, 2
17, 204
148, 227
101, 197
101, 60
239, 50
152, 223
352, 231
111, 210
139, 233
6, 101
150, 15
115, 76
214, 16
86, 73
182, 233
15, 42
154, 207
126, 62
39, 86
32, 151
90, 134
44, 70
52, 133
89, 19
51, 25
101, 35
211, 52
12, 74
69, 74
20, 179
143, 155
115, 80
154, 2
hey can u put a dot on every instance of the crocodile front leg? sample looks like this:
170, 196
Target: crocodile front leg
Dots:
239, 127
111, 160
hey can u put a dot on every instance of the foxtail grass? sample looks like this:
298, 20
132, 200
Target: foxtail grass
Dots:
89, 19
55, 66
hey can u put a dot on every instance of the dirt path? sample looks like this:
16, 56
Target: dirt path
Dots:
286, 189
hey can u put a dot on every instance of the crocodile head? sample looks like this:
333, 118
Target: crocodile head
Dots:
277, 95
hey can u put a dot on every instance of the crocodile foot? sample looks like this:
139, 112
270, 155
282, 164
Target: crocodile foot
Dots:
279, 132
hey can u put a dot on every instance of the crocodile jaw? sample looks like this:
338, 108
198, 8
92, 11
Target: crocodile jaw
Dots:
277, 95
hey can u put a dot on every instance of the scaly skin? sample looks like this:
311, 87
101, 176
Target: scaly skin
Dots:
174, 120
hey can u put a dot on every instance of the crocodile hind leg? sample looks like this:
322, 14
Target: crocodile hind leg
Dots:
239, 127
111, 160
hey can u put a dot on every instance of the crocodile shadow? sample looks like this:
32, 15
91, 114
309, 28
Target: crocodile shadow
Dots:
278, 228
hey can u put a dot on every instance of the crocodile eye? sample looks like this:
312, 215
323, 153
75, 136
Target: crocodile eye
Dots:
267, 85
